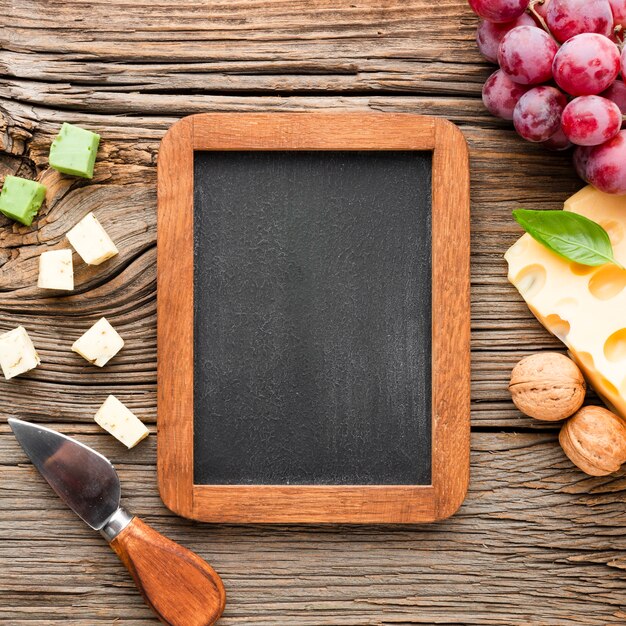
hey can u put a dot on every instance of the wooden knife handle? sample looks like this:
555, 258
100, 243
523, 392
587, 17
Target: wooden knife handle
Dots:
181, 588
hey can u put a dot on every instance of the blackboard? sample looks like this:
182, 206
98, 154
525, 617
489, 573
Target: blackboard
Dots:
313, 318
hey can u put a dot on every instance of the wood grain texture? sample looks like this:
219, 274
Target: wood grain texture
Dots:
181, 588
536, 542
175, 320
450, 318
450, 314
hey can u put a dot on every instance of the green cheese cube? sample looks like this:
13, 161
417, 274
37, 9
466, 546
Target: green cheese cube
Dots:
74, 151
21, 199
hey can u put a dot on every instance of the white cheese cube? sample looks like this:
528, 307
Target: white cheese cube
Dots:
91, 241
17, 353
99, 344
120, 422
56, 270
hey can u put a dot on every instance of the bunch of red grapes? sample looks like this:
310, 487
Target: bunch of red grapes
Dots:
559, 78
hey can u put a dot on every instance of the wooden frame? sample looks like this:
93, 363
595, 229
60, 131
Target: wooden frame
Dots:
450, 314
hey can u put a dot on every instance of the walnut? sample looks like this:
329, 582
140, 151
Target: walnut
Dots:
595, 440
547, 386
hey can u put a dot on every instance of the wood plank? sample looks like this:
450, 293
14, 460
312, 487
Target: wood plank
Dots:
246, 45
536, 542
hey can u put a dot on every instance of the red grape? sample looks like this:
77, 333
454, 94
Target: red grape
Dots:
585, 64
617, 93
591, 120
604, 166
558, 141
489, 35
501, 94
499, 10
537, 115
586, 67
526, 54
619, 12
567, 18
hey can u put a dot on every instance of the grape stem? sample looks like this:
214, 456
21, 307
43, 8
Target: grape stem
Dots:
618, 31
533, 12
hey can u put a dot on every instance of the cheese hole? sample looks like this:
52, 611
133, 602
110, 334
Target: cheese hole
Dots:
615, 346
530, 280
607, 282
519, 248
566, 306
615, 231
581, 270
557, 326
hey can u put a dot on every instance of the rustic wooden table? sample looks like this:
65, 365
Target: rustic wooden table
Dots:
536, 542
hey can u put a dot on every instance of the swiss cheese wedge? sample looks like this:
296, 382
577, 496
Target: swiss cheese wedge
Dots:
585, 307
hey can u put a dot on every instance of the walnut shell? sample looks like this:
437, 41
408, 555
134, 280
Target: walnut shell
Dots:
547, 386
595, 440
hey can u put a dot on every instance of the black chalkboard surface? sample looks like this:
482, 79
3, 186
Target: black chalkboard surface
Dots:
312, 317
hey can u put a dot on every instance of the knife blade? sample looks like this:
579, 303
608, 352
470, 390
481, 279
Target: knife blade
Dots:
181, 588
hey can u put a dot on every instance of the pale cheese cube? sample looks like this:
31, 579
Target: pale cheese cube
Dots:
99, 344
120, 422
91, 241
56, 270
17, 353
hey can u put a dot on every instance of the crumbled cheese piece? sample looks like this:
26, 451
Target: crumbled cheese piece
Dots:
120, 422
56, 270
99, 344
91, 241
17, 353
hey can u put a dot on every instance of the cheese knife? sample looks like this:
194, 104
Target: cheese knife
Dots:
181, 588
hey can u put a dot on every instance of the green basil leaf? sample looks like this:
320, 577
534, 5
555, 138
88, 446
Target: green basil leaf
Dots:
569, 235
